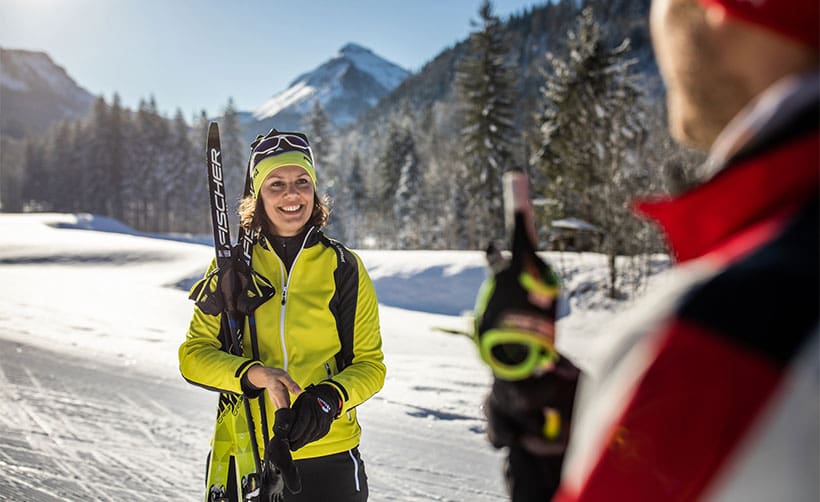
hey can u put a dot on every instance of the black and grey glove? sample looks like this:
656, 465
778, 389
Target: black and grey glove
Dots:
532, 418
314, 411
534, 413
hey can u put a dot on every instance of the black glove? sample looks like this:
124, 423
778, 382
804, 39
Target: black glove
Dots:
314, 411
534, 413
532, 418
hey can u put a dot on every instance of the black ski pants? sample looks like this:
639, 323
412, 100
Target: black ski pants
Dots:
339, 477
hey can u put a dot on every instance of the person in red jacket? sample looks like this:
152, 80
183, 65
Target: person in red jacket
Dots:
708, 389
711, 388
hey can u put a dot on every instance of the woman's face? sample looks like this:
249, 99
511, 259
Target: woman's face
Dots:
287, 197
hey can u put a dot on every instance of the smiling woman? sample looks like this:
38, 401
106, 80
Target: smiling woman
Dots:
314, 339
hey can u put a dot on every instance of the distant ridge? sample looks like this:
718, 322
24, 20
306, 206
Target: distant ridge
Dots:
36, 93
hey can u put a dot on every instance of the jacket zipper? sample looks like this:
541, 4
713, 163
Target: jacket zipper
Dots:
286, 283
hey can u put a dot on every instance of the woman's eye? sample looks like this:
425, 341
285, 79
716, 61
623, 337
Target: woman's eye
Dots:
301, 181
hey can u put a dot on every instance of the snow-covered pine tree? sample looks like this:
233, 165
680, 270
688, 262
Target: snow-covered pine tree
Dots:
485, 87
355, 186
356, 201
184, 178
461, 237
387, 173
406, 206
589, 130
318, 128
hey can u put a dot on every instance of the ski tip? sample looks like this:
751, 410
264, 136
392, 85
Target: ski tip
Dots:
213, 129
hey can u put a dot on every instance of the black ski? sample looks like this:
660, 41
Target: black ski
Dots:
229, 283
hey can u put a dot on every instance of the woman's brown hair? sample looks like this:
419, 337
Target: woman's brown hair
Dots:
252, 215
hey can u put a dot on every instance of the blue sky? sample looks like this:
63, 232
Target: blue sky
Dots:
195, 54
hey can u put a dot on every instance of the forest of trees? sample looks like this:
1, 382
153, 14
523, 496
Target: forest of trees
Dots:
590, 132
137, 166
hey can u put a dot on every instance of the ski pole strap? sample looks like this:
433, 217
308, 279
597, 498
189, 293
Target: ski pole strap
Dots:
278, 466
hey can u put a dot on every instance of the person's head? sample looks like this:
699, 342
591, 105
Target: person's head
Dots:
716, 56
284, 199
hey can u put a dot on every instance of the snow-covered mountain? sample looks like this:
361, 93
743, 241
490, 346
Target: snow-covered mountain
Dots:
36, 92
345, 86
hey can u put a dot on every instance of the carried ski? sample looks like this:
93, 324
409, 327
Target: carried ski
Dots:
234, 291
235, 434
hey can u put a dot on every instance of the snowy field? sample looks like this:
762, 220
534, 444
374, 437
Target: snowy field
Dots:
94, 408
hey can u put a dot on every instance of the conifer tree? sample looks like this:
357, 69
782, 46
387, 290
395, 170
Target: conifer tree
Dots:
60, 169
485, 86
181, 176
98, 160
356, 189
355, 198
74, 161
196, 181
12, 158
117, 165
589, 130
235, 152
388, 167
36, 177
407, 198
461, 231
144, 185
318, 131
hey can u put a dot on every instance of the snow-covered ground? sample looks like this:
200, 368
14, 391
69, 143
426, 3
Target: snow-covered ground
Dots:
92, 314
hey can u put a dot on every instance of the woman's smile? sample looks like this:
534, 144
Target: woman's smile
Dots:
287, 197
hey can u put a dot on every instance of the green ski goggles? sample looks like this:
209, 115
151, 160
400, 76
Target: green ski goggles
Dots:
516, 355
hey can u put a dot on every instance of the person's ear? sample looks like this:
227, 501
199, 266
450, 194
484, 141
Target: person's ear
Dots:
715, 15
722, 29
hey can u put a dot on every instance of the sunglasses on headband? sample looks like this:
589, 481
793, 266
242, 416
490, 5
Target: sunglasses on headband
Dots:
279, 142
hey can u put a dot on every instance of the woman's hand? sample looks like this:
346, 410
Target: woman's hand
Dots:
276, 381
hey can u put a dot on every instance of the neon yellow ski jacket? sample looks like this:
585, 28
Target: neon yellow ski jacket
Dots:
327, 297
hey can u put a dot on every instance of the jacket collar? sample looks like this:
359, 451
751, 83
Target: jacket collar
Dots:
314, 235
779, 111
766, 164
